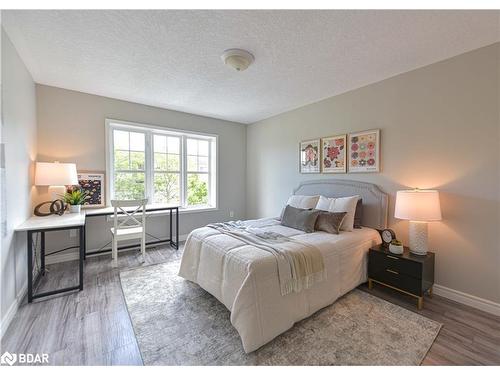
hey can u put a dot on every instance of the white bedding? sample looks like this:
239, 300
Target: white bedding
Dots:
244, 278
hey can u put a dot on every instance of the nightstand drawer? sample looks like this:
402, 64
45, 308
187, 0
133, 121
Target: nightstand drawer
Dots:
398, 280
379, 261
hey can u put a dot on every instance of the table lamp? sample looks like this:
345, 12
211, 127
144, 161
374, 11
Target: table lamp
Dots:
56, 176
419, 207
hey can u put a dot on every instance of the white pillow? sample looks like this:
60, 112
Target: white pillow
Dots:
344, 204
303, 201
324, 203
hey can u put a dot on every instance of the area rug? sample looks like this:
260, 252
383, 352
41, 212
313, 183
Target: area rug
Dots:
178, 323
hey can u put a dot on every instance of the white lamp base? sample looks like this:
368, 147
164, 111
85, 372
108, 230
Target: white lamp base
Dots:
418, 237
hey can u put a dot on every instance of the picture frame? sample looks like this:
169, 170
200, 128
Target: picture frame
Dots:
333, 154
93, 183
364, 151
309, 156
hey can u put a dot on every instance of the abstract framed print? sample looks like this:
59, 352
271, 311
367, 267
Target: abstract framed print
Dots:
333, 154
93, 184
364, 151
309, 156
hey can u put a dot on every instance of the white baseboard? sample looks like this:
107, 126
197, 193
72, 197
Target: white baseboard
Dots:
7, 319
73, 255
12, 310
468, 299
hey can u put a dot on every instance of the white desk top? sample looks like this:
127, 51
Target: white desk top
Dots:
52, 222
110, 210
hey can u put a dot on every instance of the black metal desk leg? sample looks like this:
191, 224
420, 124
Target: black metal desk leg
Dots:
177, 228
85, 240
42, 252
170, 227
30, 266
82, 254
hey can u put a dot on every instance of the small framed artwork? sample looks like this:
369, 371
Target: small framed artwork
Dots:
93, 184
364, 151
309, 156
333, 154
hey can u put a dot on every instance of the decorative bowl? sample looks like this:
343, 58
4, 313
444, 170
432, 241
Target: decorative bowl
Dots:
396, 249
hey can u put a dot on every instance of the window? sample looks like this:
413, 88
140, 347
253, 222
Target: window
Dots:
129, 164
167, 169
168, 166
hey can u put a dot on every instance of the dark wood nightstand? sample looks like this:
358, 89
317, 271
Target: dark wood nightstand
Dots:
408, 273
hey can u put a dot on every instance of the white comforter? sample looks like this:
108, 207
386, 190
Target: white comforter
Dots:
245, 278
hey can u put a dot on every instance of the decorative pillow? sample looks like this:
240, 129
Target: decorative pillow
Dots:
330, 222
358, 214
303, 201
324, 203
298, 218
344, 204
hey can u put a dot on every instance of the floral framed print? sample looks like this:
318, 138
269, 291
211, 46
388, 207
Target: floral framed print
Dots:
309, 156
333, 154
364, 151
92, 183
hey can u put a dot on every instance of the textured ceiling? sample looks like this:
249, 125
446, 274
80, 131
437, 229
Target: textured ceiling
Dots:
171, 59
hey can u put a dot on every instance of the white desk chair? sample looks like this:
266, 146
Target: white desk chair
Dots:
122, 230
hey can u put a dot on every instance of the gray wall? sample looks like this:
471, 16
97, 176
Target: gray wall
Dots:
439, 129
71, 129
19, 136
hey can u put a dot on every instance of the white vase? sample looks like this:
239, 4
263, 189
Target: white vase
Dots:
75, 209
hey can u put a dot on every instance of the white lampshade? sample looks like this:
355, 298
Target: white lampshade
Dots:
55, 174
418, 205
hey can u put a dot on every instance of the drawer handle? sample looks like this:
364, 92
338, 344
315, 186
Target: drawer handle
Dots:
390, 256
391, 271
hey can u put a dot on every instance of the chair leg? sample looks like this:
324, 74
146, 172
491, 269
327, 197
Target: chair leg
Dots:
143, 248
114, 253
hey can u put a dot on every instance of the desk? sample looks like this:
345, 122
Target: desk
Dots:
153, 208
44, 224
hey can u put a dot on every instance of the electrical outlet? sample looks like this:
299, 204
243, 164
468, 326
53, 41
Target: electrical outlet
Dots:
72, 233
231, 213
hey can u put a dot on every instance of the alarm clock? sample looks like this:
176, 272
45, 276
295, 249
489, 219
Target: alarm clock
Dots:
387, 236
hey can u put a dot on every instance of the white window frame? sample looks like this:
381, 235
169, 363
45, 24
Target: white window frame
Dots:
149, 130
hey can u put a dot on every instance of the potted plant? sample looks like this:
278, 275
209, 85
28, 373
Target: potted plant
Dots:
75, 199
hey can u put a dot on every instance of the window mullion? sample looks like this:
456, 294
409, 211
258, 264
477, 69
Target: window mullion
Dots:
183, 150
111, 163
209, 166
149, 188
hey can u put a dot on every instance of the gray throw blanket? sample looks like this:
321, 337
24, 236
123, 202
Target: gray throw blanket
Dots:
300, 265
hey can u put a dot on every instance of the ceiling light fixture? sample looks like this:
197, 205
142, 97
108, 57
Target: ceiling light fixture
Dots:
237, 58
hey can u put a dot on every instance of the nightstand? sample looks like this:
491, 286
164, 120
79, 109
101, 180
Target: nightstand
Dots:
407, 273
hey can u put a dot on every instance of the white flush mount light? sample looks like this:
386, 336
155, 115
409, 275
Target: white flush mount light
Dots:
237, 59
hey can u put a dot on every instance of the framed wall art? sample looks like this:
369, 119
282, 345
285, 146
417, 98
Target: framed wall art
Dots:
93, 184
364, 151
309, 156
333, 154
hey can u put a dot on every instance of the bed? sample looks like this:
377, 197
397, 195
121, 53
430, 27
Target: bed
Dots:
245, 279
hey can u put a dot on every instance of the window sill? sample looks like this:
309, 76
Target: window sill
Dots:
197, 210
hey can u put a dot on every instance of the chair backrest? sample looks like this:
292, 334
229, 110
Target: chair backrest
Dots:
129, 216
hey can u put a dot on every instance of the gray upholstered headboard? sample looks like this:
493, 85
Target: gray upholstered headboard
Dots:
375, 201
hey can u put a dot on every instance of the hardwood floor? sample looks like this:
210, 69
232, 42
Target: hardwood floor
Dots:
468, 336
93, 327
